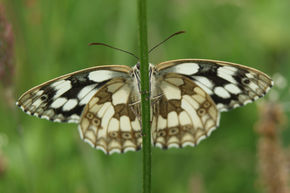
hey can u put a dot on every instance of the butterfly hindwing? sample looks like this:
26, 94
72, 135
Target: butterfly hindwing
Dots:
111, 119
63, 99
183, 113
229, 85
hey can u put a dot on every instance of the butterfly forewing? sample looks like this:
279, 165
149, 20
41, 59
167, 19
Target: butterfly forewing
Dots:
111, 119
229, 85
63, 99
183, 113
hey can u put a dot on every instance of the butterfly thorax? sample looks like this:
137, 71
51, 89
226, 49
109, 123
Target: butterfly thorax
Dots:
137, 75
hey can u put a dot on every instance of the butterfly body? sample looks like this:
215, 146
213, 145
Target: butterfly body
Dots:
186, 95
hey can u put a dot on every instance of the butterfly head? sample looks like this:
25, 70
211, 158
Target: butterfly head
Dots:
138, 65
136, 70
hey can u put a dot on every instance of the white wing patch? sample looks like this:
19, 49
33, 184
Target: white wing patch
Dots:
59, 102
184, 68
70, 104
102, 75
221, 92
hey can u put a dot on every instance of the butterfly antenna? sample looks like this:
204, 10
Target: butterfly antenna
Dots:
176, 33
102, 44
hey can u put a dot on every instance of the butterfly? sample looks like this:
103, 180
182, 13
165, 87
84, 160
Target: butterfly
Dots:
187, 97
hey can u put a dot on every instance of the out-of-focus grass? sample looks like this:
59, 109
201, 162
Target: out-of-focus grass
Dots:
51, 39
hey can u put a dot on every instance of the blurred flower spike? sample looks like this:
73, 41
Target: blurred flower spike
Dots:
6, 50
278, 91
6, 58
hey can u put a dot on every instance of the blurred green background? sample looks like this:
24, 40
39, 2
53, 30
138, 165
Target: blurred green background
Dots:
50, 39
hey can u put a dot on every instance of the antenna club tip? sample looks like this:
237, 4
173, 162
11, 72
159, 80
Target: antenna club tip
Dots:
180, 32
91, 44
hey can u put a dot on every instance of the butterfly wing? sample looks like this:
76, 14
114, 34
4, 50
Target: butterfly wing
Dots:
229, 85
111, 119
183, 113
63, 99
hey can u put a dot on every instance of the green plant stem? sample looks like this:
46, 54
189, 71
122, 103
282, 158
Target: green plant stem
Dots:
145, 96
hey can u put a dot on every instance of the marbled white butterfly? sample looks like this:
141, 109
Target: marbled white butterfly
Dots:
187, 97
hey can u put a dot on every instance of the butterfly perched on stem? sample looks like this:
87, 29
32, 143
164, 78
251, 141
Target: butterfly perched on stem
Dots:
187, 96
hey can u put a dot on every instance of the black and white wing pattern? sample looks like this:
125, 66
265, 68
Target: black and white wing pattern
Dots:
111, 119
229, 85
187, 97
183, 113
64, 98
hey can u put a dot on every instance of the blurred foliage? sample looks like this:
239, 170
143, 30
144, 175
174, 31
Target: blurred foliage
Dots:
51, 38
